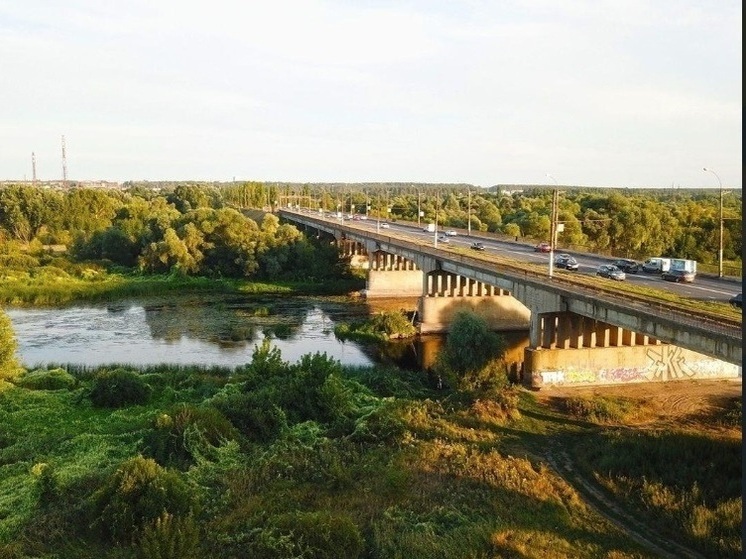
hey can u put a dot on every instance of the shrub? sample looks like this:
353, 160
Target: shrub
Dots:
136, 495
47, 379
119, 388
381, 326
602, 408
254, 414
465, 360
177, 433
320, 535
9, 367
170, 537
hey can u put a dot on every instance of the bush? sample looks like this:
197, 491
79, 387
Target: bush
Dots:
119, 388
47, 379
254, 414
170, 537
470, 348
135, 496
176, 434
9, 367
320, 535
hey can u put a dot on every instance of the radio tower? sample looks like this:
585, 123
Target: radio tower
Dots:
33, 167
64, 163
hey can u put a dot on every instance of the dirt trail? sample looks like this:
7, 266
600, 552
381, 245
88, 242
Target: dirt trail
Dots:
675, 404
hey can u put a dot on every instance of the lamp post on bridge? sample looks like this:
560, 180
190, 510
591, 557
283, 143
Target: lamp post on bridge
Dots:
720, 247
553, 225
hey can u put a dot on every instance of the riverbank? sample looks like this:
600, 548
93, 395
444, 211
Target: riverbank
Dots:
54, 286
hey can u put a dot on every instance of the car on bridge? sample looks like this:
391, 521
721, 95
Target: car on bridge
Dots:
737, 301
627, 265
477, 246
451, 233
610, 271
443, 239
678, 276
566, 261
384, 225
543, 246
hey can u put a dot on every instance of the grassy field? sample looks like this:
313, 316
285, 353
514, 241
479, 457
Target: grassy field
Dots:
315, 460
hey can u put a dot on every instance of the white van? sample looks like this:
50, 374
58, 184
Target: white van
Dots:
656, 265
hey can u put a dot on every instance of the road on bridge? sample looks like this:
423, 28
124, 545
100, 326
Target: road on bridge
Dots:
703, 288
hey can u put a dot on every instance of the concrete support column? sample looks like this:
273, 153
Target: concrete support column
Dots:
589, 332
549, 331
603, 334
564, 331
534, 330
576, 331
629, 338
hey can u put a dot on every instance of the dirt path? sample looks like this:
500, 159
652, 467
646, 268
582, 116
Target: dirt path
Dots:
678, 404
661, 403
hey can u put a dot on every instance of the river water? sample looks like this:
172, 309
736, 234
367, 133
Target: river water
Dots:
214, 330
187, 330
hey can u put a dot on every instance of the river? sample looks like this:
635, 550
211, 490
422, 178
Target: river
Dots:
212, 330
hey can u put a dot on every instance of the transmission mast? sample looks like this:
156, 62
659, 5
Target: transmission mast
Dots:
33, 167
64, 163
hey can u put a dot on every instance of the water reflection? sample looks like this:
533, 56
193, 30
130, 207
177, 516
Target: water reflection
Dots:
215, 331
219, 331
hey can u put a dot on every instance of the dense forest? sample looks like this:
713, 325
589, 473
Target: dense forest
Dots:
197, 228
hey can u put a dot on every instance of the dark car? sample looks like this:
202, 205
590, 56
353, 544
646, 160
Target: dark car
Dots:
610, 271
477, 246
566, 261
737, 301
626, 265
679, 276
543, 246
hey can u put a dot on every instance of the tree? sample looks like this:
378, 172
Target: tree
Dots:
469, 349
9, 367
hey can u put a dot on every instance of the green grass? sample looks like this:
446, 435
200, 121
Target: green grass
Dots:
416, 473
42, 288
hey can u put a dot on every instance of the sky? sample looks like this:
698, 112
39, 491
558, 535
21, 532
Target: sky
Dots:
623, 93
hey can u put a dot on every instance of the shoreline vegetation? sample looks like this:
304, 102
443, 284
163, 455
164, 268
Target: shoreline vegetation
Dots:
278, 459
52, 286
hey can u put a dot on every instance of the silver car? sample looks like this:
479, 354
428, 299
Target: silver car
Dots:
611, 272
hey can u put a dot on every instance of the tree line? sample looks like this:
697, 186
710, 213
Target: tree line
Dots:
189, 230
199, 228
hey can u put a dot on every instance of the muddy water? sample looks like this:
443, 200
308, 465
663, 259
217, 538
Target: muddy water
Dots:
214, 330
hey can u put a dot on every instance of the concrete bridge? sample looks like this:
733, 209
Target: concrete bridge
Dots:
579, 332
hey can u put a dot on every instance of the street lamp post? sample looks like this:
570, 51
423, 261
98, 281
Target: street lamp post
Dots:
720, 246
553, 225
419, 211
468, 217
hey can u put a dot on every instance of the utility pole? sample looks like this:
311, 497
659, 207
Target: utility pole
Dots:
33, 168
64, 163
720, 248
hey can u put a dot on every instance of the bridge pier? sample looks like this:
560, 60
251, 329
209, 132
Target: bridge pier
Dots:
390, 275
570, 349
445, 294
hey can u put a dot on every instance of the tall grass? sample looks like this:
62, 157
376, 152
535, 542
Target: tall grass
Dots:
684, 483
